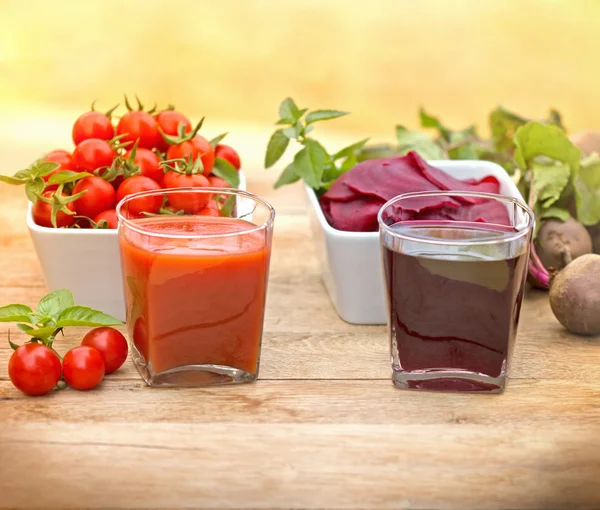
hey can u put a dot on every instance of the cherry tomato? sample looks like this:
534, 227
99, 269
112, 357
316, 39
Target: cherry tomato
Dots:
148, 162
194, 148
83, 368
110, 217
100, 196
190, 203
210, 211
140, 126
136, 184
42, 213
64, 159
217, 182
34, 369
229, 154
168, 122
92, 154
111, 345
92, 125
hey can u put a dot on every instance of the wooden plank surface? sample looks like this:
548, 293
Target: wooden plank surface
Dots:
322, 428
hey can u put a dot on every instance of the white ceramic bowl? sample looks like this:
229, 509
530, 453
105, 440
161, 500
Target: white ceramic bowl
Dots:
85, 261
350, 262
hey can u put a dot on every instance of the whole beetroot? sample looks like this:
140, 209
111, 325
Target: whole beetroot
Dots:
560, 242
594, 231
575, 295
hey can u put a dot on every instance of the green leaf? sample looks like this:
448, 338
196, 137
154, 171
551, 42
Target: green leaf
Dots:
228, 206
52, 304
215, 141
503, 126
84, 316
587, 184
536, 139
13, 345
318, 115
558, 213
289, 111
225, 170
419, 142
293, 131
429, 121
348, 163
468, 150
309, 163
15, 313
25, 328
288, 176
43, 333
549, 181
66, 176
41, 168
34, 188
377, 151
277, 145
15, 181
350, 149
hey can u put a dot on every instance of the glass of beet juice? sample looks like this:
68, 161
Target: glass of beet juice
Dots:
455, 265
195, 283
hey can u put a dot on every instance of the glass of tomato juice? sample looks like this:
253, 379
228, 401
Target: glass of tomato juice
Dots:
195, 278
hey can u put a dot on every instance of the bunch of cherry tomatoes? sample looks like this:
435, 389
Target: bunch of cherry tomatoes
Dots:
144, 151
36, 369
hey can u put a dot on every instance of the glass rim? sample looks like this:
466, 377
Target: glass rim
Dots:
137, 227
453, 242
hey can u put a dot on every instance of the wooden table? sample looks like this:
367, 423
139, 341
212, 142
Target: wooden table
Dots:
322, 428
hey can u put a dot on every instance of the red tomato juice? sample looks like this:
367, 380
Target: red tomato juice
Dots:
196, 300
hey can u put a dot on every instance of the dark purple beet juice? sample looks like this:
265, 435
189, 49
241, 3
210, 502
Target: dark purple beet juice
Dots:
454, 294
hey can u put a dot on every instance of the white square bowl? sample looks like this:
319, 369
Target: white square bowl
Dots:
85, 261
350, 262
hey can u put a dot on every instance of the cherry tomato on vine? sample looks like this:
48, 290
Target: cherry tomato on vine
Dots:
34, 369
64, 159
194, 148
138, 126
111, 344
137, 206
92, 125
218, 182
148, 162
42, 213
83, 368
229, 154
190, 202
110, 217
92, 154
100, 196
168, 122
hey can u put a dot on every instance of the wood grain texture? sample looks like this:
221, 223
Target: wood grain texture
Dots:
322, 428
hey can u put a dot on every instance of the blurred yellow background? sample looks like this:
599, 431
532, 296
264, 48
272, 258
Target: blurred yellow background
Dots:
235, 60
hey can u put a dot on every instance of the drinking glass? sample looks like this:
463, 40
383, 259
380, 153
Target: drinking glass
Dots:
454, 288
195, 279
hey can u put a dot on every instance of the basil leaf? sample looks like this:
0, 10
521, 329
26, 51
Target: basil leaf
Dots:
277, 145
15, 313
288, 176
42, 333
225, 170
317, 115
51, 305
310, 163
16, 181
228, 206
289, 111
293, 131
34, 188
418, 142
84, 316
350, 149
67, 176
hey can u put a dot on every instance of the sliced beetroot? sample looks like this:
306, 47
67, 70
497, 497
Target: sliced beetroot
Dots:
353, 201
359, 215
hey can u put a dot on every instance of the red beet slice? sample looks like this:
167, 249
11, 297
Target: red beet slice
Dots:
360, 215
